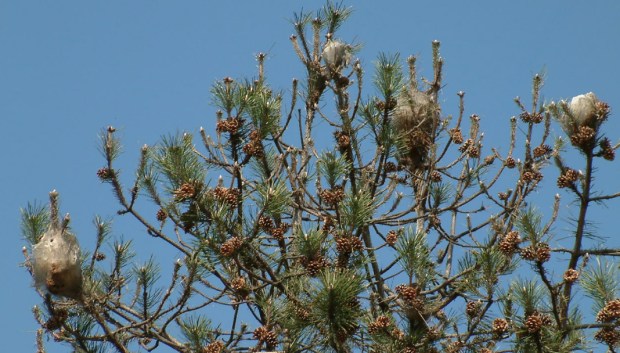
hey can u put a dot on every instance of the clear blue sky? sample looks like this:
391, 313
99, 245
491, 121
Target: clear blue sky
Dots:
68, 68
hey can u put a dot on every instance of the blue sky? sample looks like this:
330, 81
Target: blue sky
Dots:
69, 68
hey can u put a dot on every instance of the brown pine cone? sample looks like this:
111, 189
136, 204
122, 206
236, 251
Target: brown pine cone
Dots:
185, 191
468, 143
161, 215
533, 323
571, 175
373, 328
260, 333
474, 152
343, 245
277, 234
583, 136
383, 321
436, 177
303, 314
407, 292
390, 167
230, 246
543, 254
472, 309
488, 160
511, 162
215, 347
265, 223
610, 336
506, 247
237, 283
105, 173
608, 150
391, 238
271, 340
528, 253
571, 275
513, 237
542, 150
500, 325
457, 136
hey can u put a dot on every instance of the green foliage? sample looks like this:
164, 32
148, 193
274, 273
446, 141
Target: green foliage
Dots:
34, 222
413, 256
332, 167
601, 282
196, 329
388, 78
408, 241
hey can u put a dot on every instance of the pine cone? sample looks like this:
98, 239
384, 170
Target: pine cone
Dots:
303, 314
314, 267
161, 215
525, 117
436, 176
342, 335
237, 284
513, 237
457, 136
185, 191
488, 160
344, 141
391, 237
105, 173
571, 175
474, 152
277, 234
434, 221
254, 149
407, 292
528, 253
583, 137
511, 162
215, 347
610, 336
230, 246
383, 321
502, 196
343, 260
563, 182
543, 254
610, 312
100, 256
271, 340
533, 323
466, 145
500, 325
260, 333
535, 118
527, 177
397, 334
608, 151
506, 247
265, 223
390, 167
343, 245
472, 309
542, 150
373, 328
571, 275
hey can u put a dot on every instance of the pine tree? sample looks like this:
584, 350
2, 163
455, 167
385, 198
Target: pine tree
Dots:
376, 241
